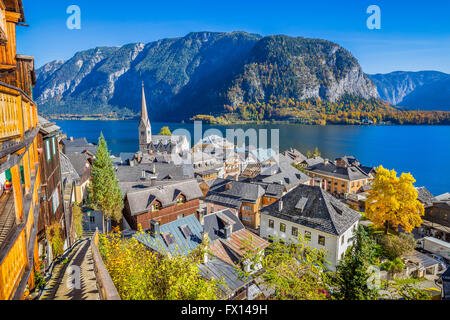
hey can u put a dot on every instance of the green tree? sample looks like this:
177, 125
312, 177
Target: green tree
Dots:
165, 131
352, 275
104, 192
142, 274
294, 271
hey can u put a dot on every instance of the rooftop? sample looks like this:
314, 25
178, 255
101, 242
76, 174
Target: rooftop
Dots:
314, 208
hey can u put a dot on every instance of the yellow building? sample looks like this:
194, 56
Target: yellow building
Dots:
19, 160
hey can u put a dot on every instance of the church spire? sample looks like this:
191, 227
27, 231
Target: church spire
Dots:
144, 114
145, 129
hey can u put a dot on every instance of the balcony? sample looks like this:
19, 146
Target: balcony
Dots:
18, 113
7, 216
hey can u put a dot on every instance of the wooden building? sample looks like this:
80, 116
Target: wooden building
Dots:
164, 203
51, 210
19, 161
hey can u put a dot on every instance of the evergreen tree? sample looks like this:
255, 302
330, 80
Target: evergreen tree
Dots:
104, 192
352, 277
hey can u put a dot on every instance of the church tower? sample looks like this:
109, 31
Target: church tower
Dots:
145, 130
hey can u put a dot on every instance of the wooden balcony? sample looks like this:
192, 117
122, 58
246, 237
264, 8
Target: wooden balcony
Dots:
7, 216
18, 113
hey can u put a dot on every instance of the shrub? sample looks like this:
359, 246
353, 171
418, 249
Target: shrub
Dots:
396, 246
141, 274
78, 220
55, 239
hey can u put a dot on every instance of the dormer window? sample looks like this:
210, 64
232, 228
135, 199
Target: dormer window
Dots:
181, 200
156, 206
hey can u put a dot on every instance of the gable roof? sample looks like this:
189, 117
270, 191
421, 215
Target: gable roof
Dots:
218, 269
321, 211
181, 244
424, 196
230, 250
141, 201
443, 197
46, 127
348, 173
234, 192
78, 161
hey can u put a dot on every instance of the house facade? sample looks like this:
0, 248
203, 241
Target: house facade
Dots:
163, 203
20, 176
316, 216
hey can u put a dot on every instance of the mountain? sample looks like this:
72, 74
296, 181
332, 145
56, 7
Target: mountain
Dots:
424, 90
199, 73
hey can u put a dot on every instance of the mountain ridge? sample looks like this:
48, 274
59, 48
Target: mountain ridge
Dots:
199, 73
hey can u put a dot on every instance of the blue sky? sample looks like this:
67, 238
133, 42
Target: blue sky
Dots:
414, 35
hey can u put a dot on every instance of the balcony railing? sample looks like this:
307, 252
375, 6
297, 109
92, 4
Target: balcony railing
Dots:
18, 112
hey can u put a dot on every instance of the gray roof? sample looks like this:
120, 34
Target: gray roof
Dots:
162, 171
321, 210
182, 245
68, 172
79, 145
295, 155
348, 173
141, 201
214, 226
424, 196
313, 161
78, 161
285, 174
217, 269
443, 197
47, 127
234, 192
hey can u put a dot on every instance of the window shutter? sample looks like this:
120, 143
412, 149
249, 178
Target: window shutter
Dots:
47, 148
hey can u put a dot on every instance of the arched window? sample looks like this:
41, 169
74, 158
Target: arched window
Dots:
156, 206
181, 199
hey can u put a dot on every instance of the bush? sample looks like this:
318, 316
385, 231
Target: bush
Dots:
141, 274
55, 239
393, 266
78, 220
396, 246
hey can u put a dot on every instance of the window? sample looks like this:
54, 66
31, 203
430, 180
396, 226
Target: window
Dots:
47, 149
92, 219
271, 224
246, 208
53, 145
308, 235
342, 255
168, 238
294, 231
282, 227
186, 231
156, 206
322, 240
181, 199
343, 239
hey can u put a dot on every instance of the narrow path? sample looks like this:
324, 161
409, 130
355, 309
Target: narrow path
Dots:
75, 280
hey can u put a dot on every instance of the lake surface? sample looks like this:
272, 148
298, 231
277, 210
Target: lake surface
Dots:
422, 150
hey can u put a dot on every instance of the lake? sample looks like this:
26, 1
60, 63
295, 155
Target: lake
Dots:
422, 150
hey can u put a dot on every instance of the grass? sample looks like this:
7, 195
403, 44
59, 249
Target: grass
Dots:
413, 281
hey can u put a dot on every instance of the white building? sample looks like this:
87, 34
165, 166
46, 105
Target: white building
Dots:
314, 214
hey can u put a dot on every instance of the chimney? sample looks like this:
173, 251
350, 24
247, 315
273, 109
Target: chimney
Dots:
280, 205
154, 228
153, 181
326, 161
228, 231
154, 169
71, 138
143, 175
201, 216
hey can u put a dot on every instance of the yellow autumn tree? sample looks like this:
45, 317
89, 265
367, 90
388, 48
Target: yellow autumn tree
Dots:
393, 201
